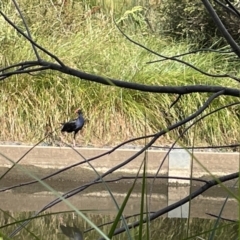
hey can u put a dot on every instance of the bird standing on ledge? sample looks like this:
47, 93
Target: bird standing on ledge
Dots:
74, 125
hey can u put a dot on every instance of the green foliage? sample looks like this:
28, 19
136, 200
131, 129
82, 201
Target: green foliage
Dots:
97, 47
190, 19
134, 18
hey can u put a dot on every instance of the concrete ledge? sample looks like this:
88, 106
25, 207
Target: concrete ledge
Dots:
42, 161
57, 158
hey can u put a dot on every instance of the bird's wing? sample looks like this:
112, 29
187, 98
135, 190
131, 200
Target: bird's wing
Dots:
69, 126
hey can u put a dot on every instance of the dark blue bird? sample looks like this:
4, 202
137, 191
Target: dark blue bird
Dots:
74, 125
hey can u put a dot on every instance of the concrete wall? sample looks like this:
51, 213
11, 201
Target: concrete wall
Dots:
178, 164
45, 160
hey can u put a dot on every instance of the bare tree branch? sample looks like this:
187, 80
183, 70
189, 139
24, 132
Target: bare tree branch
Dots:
28, 32
221, 27
129, 85
193, 195
229, 9
192, 52
225, 219
157, 135
206, 147
233, 8
177, 60
30, 40
115, 148
28, 67
184, 131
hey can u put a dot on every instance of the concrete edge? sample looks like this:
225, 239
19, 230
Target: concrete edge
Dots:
177, 164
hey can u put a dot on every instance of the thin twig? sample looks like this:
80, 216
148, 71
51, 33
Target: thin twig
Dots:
30, 40
177, 60
221, 27
27, 29
79, 189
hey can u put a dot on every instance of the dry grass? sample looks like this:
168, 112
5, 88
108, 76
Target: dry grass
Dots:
93, 44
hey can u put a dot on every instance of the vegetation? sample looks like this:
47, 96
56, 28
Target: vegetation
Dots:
84, 35
163, 228
92, 43
190, 20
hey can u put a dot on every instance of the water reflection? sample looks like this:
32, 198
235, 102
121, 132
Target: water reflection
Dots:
97, 199
74, 233
99, 208
51, 227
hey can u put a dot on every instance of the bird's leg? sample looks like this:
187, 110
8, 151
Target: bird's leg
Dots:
74, 140
81, 139
62, 139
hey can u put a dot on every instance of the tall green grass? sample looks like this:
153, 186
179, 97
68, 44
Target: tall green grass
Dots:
94, 45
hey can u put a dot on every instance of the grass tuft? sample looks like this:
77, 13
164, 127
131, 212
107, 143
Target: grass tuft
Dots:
93, 44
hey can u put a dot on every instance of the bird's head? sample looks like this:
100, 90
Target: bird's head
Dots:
78, 111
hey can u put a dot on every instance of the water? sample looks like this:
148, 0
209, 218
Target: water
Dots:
96, 203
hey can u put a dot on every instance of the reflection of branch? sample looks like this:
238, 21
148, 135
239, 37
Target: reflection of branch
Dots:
193, 195
71, 211
107, 223
114, 180
156, 136
146, 213
18, 161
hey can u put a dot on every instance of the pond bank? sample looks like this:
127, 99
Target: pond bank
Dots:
45, 160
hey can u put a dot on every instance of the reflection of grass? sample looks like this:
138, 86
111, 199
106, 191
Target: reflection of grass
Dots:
163, 228
97, 47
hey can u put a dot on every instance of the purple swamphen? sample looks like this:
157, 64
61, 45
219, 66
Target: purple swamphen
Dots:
74, 125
